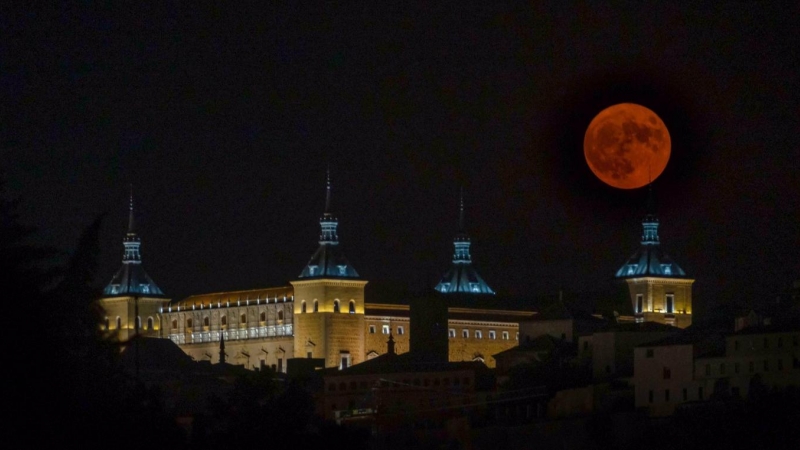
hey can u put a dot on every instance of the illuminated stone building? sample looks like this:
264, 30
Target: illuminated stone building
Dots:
324, 314
659, 289
132, 301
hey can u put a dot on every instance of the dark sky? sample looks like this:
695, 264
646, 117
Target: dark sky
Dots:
225, 120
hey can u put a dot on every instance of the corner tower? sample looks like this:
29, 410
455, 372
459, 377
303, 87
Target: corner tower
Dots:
132, 301
462, 276
659, 289
329, 301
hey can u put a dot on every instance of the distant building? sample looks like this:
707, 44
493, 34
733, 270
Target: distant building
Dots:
659, 289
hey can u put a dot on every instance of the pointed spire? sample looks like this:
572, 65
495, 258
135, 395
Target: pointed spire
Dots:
130, 214
461, 213
328, 193
390, 344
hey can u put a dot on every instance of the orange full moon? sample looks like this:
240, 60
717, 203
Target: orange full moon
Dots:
627, 146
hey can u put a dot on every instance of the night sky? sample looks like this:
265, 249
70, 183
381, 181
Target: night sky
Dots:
225, 121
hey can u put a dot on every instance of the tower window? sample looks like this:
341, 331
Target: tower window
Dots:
243, 319
385, 329
316, 306
451, 332
478, 334
505, 335
280, 316
400, 331
263, 317
352, 307
303, 307
336, 306
372, 329
205, 321
465, 333
639, 303
670, 303
492, 334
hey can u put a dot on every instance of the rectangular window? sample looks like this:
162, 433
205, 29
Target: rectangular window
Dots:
372, 329
639, 303
344, 359
465, 333
280, 365
492, 334
385, 329
478, 334
400, 331
308, 355
451, 332
670, 303
505, 335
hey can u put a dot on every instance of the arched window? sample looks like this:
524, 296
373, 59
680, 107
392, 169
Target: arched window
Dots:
352, 306
205, 321
149, 323
280, 315
223, 320
174, 324
316, 306
336, 306
303, 307
263, 317
119, 323
189, 323
243, 319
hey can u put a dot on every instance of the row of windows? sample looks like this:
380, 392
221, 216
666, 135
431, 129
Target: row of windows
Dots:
223, 321
479, 334
385, 330
766, 343
335, 306
364, 385
150, 323
669, 301
764, 365
685, 392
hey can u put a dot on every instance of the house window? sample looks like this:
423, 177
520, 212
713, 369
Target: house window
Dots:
385, 329
372, 329
344, 360
352, 307
505, 335
303, 307
451, 332
492, 334
336, 306
400, 331
670, 303
465, 333
478, 334
517, 336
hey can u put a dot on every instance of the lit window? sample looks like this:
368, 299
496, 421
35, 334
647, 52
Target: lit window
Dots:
400, 331
352, 307
492, 334
243, 318
478, 334
451, 332
263, 317
342, 270
465, 333
372, 329
505, 335
336, 306
385, 329
670, 303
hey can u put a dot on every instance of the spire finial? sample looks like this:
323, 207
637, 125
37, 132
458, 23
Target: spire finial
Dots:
461, 212
130, 212
328, 192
